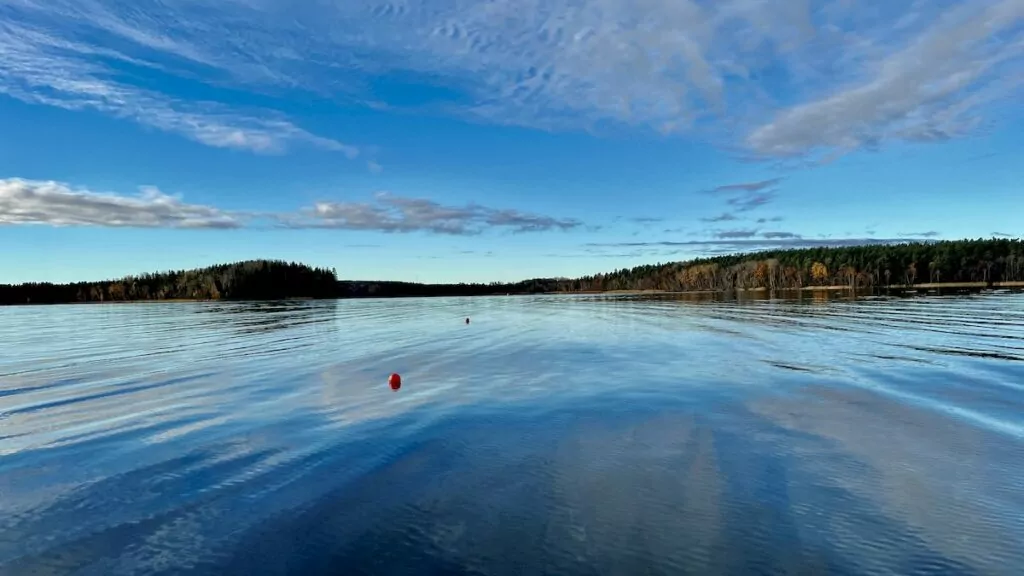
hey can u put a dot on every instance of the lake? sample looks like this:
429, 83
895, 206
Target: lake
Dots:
556, 435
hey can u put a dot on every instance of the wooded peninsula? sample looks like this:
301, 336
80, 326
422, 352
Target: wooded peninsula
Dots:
981, 263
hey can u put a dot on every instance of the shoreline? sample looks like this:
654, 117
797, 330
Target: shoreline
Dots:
927, 286
816, 269
981, 286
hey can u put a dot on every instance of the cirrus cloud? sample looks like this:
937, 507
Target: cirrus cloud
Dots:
924, 86
40, 65
752, 201
748, 187
743, 242
734, 234
781, 235
723, 217
843, 75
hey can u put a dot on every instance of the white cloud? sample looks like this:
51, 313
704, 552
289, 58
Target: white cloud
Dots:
390, 213
827, 76
41, 68
57, 204
931, 88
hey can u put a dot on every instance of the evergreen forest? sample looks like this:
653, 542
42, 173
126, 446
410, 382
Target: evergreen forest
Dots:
973, 263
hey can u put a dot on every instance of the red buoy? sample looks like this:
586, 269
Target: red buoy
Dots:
395, 381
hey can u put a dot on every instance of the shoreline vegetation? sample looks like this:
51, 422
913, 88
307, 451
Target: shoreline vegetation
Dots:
834, 288
918, 266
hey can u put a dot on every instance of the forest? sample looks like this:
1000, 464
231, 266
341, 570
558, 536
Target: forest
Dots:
988, 262
249, 280
385, 289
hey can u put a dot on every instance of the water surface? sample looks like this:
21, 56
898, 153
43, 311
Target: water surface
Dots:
553, 435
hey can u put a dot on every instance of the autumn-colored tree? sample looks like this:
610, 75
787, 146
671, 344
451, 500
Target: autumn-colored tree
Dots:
116, 291
761, 273
819, 272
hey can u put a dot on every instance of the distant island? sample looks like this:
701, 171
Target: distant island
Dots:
981, 263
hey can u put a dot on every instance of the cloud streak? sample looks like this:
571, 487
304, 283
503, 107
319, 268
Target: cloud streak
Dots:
749, 187
57, 204
929, 83
751, 202
781, 235
745, 196
723, 217
40, 66
734, 234
845, 75
26, 202
746, 244
390, 213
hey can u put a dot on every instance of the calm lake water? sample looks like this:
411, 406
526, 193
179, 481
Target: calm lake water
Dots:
553, 435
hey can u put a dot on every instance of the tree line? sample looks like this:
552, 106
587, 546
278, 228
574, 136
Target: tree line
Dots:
248, 280
985, 261
391, 289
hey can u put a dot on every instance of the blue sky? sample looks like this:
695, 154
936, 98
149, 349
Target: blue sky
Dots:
457, 140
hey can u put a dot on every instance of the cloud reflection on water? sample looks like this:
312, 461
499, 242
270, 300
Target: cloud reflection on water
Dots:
573, 435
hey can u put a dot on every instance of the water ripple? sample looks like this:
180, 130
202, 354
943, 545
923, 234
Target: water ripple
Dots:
554, 434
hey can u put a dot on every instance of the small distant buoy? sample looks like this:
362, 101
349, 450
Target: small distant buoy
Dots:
395, 381
467, 320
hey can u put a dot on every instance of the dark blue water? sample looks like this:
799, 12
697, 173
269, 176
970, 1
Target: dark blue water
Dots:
553, 435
